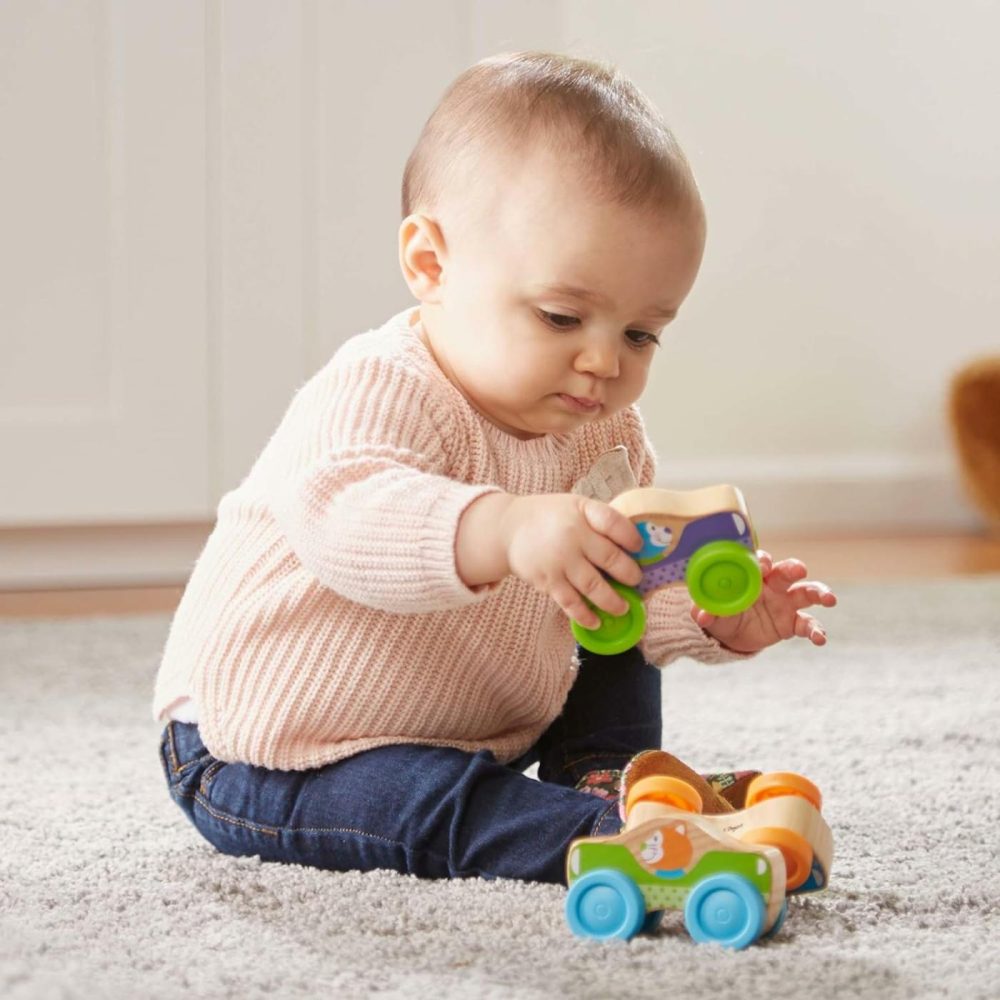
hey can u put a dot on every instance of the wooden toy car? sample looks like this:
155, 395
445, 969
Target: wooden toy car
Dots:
702, 538
783, 810
730, 892
729, 873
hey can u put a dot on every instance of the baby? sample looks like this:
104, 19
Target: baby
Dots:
375, 642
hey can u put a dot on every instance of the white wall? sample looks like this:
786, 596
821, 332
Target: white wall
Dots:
104, 387
217, 183
849, 158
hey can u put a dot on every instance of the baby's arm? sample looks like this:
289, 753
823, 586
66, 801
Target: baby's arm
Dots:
359, 479
672, 633
558, 542
480, 552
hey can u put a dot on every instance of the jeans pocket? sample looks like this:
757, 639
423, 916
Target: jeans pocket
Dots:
209, 773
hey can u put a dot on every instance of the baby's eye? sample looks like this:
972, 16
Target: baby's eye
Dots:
642, 339
558, 320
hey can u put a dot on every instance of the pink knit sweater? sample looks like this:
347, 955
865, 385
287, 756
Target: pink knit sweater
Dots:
325, 615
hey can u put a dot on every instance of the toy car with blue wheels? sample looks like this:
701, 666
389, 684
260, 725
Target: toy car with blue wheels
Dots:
730, 893
729, 873
702, 539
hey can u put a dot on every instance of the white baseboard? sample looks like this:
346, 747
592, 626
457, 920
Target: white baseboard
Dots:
857, 495
143, 555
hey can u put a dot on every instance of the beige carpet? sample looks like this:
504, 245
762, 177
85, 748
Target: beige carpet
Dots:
107, 891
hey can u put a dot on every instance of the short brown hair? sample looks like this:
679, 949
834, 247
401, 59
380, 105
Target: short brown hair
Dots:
611, 132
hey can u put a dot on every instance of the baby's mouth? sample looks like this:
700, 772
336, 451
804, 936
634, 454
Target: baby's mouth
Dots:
580, 405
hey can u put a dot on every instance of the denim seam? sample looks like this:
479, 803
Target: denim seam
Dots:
174, 763
224, 817
600, 819
209, 776
215, 814
176, 766
237, 821
200, 798
569, 764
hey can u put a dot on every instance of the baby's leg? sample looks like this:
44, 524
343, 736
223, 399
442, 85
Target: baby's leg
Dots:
427, 811
613, 712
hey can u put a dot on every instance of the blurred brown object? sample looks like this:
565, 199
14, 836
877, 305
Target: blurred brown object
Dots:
974, 410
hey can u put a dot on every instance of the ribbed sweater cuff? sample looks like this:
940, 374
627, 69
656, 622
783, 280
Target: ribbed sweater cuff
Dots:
417, 575
671, 633
439, 582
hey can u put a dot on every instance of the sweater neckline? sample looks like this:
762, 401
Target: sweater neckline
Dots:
546, 445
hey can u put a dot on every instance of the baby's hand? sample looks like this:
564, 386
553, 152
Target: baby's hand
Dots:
777, 614
560, 543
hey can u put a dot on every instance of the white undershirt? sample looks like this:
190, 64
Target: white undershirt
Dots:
184, 711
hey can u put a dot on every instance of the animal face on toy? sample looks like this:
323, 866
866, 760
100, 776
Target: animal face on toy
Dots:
657, 539
667, 851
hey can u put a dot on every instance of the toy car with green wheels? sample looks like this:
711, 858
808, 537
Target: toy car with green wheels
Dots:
702, 538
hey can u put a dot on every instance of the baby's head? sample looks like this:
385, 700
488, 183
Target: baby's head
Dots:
552, 227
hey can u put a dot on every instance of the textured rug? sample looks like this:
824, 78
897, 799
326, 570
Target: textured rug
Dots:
107, 891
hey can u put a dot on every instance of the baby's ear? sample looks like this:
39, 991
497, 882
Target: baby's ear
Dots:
421, 255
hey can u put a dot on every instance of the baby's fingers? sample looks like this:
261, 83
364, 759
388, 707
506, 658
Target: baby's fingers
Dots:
573, 605
806, 627
786, 571
596, 588
605, 555
702, 617
610, 523
809, 592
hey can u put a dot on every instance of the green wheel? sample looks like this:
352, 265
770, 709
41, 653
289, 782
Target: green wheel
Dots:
616, 633
724, 578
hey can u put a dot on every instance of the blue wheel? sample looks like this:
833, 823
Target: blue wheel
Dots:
780, 922
726, 909
605, 904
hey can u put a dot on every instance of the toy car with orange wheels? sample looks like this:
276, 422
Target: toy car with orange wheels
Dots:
702, 538
729, 873
783, 809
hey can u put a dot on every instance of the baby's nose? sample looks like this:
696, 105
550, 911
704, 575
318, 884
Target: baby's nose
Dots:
599, 359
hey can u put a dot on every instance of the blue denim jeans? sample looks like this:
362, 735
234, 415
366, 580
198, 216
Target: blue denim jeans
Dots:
429, 811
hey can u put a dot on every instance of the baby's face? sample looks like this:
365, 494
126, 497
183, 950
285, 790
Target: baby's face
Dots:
550, 298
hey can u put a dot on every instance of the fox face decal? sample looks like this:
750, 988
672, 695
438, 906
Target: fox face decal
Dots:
667, 851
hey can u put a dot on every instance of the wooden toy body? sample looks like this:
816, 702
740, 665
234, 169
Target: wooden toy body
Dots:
794, 816
784, 818
676, 523
669, 855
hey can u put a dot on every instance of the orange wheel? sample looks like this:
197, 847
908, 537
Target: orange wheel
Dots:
796, 850
673, 792
777, 783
